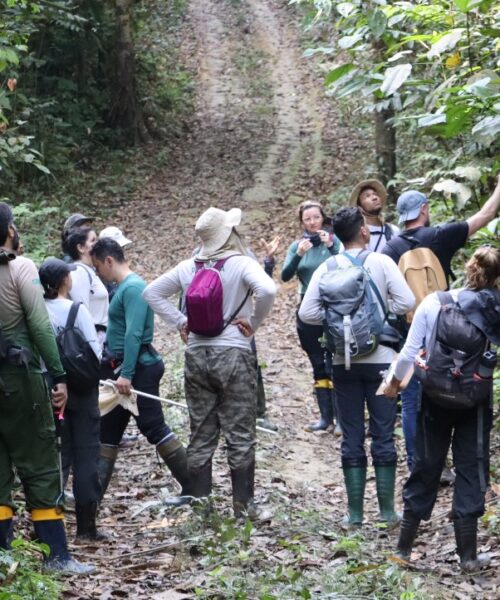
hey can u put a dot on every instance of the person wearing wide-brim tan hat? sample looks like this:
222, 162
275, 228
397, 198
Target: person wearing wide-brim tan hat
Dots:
370, 195
220, 372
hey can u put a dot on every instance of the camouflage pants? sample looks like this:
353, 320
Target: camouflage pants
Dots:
220, 386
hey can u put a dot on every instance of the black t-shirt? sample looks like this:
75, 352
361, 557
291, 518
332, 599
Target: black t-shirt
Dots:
444, 241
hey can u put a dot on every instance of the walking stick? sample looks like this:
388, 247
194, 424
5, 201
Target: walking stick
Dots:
111, 383
59, 422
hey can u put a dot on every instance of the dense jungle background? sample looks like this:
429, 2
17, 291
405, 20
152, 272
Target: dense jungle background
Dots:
143, 113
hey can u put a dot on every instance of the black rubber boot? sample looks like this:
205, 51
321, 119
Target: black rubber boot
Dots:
106, 465
337, 431
243, 484
324, 398
85, 523
407, 534
6, 532
174, 455
466, 538
53, 534
201, 481
355, 482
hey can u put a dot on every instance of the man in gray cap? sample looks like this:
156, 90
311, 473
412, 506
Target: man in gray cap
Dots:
370, 195
444, 241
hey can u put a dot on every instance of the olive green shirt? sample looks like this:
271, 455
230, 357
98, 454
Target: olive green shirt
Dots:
23, 314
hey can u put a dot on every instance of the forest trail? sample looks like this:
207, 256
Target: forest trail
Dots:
263, 137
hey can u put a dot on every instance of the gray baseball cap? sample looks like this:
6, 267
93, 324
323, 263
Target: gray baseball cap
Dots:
409, 205
76, 220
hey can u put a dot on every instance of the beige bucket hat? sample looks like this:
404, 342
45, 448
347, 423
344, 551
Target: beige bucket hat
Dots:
375, 184
214, 228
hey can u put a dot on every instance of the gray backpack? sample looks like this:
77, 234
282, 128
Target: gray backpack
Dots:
353, 324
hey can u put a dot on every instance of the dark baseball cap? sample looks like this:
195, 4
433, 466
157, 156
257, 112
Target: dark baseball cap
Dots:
52, 271
76, 220
409, 205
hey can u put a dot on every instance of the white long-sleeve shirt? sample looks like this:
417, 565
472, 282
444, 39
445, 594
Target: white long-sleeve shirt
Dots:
420, 331
58, 310
239, 274
394, 291
89, 289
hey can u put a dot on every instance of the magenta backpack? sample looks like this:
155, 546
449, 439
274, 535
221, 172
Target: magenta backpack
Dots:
204, 301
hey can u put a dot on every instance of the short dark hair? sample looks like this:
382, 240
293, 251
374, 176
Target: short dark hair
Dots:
71, 242
347, 223
108, 247
6, 219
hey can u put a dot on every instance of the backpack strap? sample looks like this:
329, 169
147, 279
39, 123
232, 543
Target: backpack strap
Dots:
73, 311
82, 266
388, 232
445, 298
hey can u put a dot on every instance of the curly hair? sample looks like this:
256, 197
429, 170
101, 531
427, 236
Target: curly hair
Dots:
483, 268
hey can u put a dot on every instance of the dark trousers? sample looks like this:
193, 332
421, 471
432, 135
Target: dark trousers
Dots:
354, 389
437, 428
320, 358
80, 445
150, 420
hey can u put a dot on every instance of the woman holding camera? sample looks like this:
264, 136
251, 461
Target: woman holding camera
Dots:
466, 429
303, 257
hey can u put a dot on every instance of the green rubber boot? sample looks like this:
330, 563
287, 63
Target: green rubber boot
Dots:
386, 480
355, 481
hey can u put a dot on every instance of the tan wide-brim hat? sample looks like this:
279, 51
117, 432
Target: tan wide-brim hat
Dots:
375, 184
214, 228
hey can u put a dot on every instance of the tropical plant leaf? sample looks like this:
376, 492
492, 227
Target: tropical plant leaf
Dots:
446, 42
394, 77
451, 187
338, 72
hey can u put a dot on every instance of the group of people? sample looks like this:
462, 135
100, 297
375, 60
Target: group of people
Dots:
225, 296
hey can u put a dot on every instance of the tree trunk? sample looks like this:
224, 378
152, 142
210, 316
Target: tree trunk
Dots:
385, 146
126, 111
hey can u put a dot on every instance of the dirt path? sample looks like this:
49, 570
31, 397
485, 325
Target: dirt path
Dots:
263, 137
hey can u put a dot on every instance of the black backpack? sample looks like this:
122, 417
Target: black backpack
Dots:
78, 359
450, 366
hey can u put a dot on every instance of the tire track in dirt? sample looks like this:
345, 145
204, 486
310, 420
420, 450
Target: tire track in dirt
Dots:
298, 124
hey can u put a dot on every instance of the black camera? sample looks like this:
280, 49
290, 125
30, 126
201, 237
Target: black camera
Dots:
313, 238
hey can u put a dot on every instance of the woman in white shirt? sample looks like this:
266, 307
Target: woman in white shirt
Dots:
87, 286
81, 428
466, 429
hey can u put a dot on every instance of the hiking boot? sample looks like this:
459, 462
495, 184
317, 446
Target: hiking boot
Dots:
106, 465
174, 455
324, 398
385, 478
447, 477
85, 523
355, 481
466, 538
52, 533
407, 534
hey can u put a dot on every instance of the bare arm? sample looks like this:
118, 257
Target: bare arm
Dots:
487, 213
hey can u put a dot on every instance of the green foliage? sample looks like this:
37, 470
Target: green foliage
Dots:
20, 573
435, 64
57, 72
